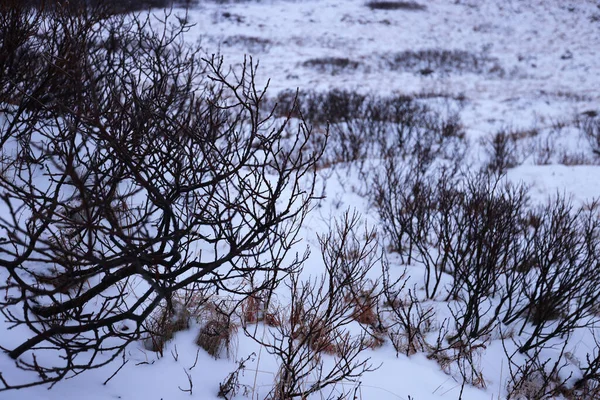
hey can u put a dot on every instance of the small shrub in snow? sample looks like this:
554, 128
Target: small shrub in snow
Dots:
163, 324
502, 151
231, 386
317, 323
396, 5
560, 283
331, 65
539, 377
406, 319
252, 44
590, 126
531, 268
363, 127
443, 61
216, 335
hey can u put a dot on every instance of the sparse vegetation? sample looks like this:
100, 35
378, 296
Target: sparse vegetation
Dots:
331, 65
396, 5
502, 150
318, 320
147, 189
150, 152
590, 126
442, 61
251, 44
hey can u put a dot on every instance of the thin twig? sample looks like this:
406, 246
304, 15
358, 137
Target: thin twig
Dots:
116, 372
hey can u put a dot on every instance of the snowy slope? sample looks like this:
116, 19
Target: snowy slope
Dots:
544, 69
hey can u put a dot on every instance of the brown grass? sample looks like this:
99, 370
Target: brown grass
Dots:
216, 336
162, 326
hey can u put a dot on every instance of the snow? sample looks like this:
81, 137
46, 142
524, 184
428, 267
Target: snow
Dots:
549, 51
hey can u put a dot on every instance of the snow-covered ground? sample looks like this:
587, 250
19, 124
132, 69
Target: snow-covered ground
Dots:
542, 72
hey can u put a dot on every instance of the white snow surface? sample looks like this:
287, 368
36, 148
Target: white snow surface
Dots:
549, 51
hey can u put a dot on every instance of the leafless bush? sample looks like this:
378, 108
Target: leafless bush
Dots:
588, 385
108, 6
443, 61
18, 26
532, 267
369, 126
414, 205
231, 386
162, 324
133, 163
562, 280
404, 197
538, 378
320, 108
590, 126
404, 317
396, 5
483, 242
316, 325
502, 151
253, 44
331, 65
216, 335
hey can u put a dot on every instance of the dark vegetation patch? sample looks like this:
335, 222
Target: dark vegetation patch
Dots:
332, 65
110, 6
501, 149
253, 44
566, 95
494, 259
364, 126
429, 61
589, 124
321, 107
396, 5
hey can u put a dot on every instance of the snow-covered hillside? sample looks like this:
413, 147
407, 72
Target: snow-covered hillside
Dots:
529, 69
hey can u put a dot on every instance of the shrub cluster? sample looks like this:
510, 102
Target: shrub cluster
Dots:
363, 127
442, 61
493, 257
125, 154
396, 5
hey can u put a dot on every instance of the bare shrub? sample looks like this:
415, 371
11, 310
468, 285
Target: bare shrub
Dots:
588, 385
562, 279
483, 242
396, 5
368, 126
317, 322
216, 335
404, 317
150, 155
109, 6
253, 44
502, 151
590, 126
538, 378
320, 108
443, 61
161, 326
331, 65
413, 205
506, 260
231, 386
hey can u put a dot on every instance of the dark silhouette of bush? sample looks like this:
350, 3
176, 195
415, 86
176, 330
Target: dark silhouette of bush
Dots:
131, 161
396, 5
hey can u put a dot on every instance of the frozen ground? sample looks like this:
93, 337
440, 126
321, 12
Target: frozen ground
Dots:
543, 69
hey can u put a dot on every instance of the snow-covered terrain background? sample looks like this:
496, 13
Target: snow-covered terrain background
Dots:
529, 68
